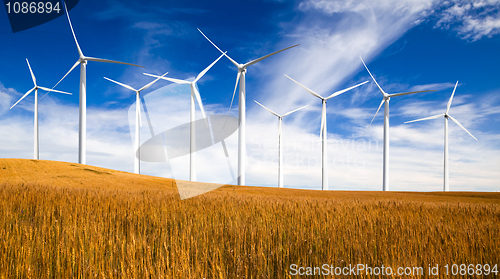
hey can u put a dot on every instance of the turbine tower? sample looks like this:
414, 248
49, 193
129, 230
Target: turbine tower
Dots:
385, 101
36, 149
242, 69
194, 93
280, 142
323, 131
446, 185
82, 60
138, 122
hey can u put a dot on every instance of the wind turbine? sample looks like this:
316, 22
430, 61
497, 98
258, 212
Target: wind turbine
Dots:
137, 118
280, 145
385, 100
242, 69
36, 151
446, 185
82, 60
194, 93
323, 131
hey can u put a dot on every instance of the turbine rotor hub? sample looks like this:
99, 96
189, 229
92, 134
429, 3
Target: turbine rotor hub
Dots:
82, 60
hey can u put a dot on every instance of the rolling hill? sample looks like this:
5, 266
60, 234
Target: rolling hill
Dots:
62, 174
65, 220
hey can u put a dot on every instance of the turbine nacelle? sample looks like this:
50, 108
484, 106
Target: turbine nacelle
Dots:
36, 87
386, 97
323, 99
242, 69
137, 116
242, 105
446, 115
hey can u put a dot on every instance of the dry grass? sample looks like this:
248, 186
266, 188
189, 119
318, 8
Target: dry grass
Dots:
112, 228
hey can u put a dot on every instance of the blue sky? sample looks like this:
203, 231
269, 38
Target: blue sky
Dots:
407, 45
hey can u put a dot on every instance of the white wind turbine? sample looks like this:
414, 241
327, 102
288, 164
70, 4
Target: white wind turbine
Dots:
446, 185
82, 60
138, 122
323, 131
385, 100
280, 141
194, 94
242, 69
36, 151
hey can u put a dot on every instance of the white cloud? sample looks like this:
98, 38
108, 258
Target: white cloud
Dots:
6, 98
472, 20
433, 86
329, 54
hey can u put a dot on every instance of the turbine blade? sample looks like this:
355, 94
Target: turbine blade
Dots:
25, 94
308, 90
458, 123
381, 103
72, 68
200, 75
72, 31
267, 109
151, 83
198, 98
264, 57
290, 112
234, 93
451, 98
53, 90
427, 118
407, 93
32, 75
121, 84
380, 88
179, 81
230, 59
110, 61
344, 90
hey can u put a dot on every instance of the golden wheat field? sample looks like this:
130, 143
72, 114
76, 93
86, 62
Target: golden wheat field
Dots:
63, 220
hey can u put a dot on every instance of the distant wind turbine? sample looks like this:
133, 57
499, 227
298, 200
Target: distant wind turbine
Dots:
242, 69
82, 60
36, 151
385, 100
194, 93
280, 142
323, 131
138, 122
446, 185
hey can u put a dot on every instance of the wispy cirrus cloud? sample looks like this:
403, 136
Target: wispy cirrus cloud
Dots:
433, 86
